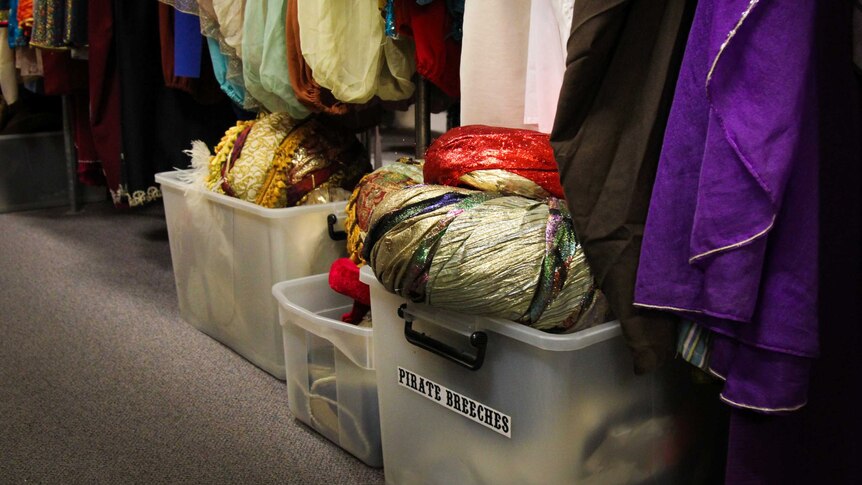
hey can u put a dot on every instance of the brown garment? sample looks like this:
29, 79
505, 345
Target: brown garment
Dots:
308, 92
621, 70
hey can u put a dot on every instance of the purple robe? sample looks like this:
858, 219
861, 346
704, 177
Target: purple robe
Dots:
731, 235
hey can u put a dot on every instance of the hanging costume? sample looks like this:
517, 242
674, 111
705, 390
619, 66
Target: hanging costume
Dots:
494, 63
157, 122
59, 24
306, 89
8, 76
347, 50
621, 67
104, 87
550, 22
204, 88
731, 238
438, 55
265, 70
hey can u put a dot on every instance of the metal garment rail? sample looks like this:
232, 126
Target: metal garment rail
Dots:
71, 159
423, 117
422, 127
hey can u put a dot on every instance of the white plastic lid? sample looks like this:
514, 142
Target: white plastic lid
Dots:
465, 324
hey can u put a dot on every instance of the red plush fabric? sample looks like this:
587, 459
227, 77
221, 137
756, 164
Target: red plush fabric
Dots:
344, 279
438, 56
356, 314
477, 147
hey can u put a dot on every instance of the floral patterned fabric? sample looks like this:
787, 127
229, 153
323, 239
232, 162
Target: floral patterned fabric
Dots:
369, 193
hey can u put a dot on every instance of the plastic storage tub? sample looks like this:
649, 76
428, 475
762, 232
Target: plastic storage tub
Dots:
331, 383
227, 254
540, 408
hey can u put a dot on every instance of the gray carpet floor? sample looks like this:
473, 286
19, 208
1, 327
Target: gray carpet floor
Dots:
102, 382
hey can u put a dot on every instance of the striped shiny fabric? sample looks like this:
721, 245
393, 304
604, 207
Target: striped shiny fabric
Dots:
486, 254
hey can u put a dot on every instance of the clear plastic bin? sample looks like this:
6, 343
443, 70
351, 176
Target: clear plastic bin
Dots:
331, 383
539, 408
227, 254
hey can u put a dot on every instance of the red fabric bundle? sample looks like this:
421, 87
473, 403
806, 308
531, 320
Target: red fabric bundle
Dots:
344, 279
477, 147
438, 55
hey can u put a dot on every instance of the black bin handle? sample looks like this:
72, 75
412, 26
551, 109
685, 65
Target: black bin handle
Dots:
331, 220
479, 340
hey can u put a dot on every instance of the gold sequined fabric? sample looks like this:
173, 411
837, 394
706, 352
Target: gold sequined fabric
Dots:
503, 181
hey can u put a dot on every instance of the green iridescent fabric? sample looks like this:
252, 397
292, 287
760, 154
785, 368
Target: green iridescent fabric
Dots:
483, 253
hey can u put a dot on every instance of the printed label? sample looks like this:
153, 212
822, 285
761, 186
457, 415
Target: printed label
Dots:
456, 402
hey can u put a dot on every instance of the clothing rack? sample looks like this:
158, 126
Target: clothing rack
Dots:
371, 139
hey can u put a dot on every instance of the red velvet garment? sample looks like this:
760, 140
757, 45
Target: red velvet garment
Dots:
105, 92
477, 147
344, 279
62, 74
438, 56
67, 76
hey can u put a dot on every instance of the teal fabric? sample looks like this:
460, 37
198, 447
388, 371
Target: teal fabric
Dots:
16, 35
235, 92
264, 52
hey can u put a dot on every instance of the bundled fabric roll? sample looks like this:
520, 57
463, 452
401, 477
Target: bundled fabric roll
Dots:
370, 191
484, 253
506, 160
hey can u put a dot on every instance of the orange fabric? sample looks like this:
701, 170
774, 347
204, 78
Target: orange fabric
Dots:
25, 14
308, 92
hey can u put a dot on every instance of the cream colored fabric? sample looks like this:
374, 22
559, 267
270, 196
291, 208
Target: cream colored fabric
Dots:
264, 65
494, 63
247, 175
344, 43
546, 60
230, 15
8, 79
